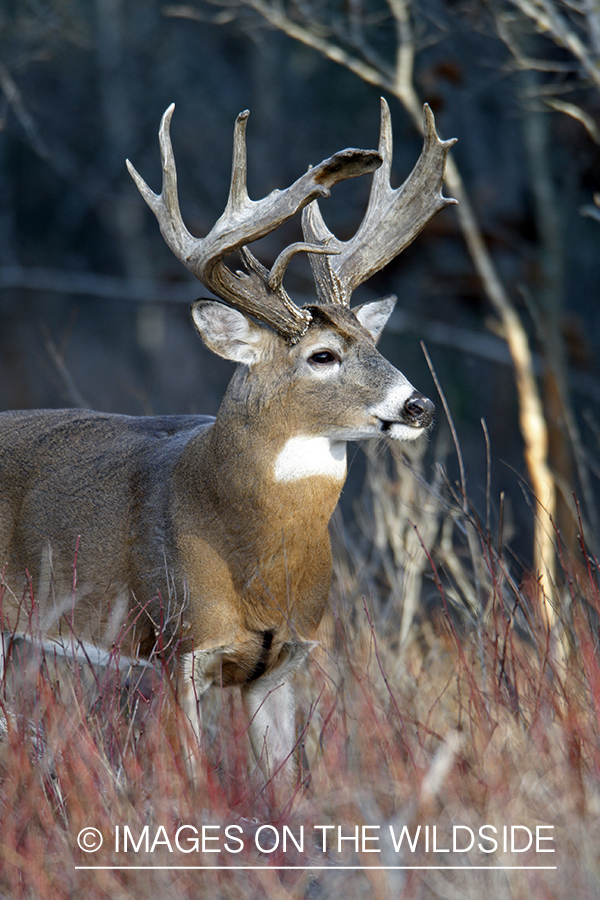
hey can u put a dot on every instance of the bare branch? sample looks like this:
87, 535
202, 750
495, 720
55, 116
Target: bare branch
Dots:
570, 109
14, 99
548, 20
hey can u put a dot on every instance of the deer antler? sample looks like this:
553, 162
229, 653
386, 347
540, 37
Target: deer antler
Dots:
393, 219
257, 291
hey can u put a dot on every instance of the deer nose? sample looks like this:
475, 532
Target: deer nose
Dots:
419, 411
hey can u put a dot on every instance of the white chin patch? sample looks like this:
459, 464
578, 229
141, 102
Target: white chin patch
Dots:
399, 432
303, 456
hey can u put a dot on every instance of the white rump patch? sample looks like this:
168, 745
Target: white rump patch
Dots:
303, 456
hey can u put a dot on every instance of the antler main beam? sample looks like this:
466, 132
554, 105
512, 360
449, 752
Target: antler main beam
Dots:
258, 291
393, 219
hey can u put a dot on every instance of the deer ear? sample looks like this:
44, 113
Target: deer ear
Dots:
228, 332
373, 316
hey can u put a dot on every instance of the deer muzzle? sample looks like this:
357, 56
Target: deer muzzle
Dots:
418, 411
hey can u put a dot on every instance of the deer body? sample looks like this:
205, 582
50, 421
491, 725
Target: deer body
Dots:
212, 534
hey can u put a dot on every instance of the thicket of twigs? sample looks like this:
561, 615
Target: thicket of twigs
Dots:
469, 713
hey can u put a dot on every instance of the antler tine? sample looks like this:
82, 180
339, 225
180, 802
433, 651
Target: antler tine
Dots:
165, 205
257, 291
393, 219
238, 192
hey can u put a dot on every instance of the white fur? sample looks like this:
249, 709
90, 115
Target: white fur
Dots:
303, 456
373, 316
195, 666
228, 332
271, 709
65, 647
400, 432
270, 705
393, 403
193, 683
390, 408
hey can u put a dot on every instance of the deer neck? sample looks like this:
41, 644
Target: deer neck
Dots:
262, 498
264, 477
260, 465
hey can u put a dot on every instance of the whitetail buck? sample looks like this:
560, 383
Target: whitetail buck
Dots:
211, 535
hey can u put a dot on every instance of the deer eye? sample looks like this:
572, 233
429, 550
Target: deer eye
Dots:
324, 358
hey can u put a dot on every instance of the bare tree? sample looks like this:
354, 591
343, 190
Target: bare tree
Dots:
555, 46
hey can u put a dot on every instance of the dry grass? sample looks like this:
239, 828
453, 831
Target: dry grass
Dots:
468, 717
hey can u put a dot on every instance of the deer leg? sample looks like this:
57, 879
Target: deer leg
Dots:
270, 705
184, 713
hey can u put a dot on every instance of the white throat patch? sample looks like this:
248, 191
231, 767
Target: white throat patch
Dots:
303, 456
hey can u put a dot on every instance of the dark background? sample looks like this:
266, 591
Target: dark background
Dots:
93, 306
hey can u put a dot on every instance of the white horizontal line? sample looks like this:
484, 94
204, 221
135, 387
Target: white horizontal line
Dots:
328, 868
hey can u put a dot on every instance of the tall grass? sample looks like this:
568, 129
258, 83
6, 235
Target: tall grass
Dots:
459, 712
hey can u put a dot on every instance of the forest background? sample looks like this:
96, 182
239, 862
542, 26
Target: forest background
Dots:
503, 290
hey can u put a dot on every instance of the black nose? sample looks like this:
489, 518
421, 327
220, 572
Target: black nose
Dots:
418, 411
